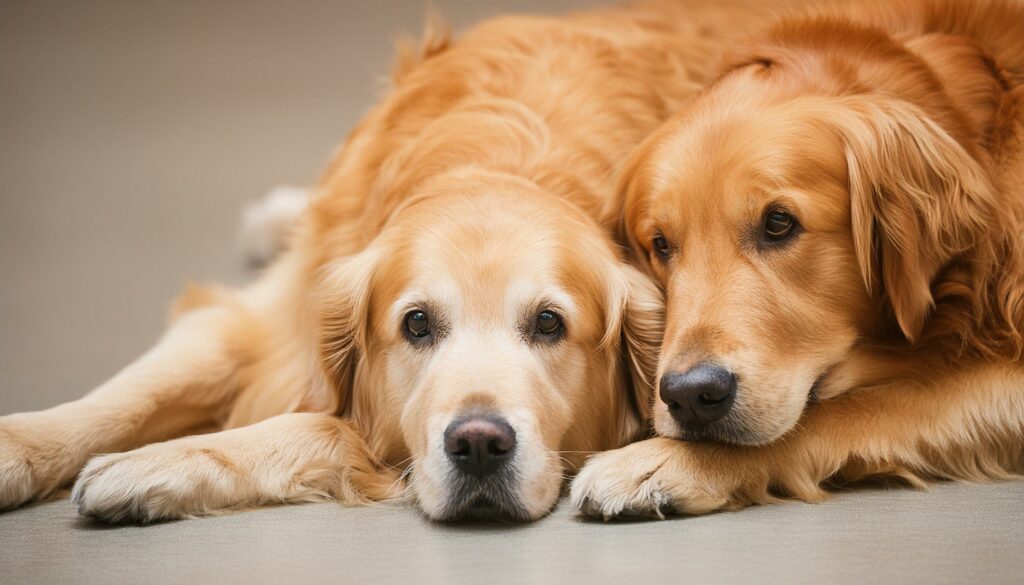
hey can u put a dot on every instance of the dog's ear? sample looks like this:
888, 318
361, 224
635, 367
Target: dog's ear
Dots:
435, 39
623, 212
339, 307
918, 200
640, 324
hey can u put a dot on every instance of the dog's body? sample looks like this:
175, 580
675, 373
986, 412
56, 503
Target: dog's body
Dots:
450, 305
838, 223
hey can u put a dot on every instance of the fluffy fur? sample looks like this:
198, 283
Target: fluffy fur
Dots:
884, 337
472, 192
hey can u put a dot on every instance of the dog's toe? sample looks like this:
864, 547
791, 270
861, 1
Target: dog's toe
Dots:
16, 481
608, 488
108, 489
141, 487
649, 479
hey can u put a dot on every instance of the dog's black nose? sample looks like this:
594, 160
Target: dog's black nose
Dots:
480, 444
699, 396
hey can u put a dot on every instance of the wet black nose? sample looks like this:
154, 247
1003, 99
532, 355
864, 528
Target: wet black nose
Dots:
479, 445
699, 396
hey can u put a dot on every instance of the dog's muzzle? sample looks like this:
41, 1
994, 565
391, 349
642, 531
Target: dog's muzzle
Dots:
482, 482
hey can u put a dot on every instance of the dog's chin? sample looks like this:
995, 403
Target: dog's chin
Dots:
486, 509
484, 498
727, 431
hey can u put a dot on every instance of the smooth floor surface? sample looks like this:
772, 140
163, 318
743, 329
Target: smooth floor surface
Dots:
951, 534
132, 134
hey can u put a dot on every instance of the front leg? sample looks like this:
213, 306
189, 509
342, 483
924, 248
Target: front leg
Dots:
182, 385
970, 426
288, 458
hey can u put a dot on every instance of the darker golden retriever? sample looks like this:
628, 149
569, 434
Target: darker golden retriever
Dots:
838, 224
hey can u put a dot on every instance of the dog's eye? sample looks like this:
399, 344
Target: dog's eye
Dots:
661, 246
778, 226
549, 324
417, 324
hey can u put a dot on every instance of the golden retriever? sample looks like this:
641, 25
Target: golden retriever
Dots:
450, 316
838, 225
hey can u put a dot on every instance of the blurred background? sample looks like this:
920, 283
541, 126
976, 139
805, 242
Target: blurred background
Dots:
131, 136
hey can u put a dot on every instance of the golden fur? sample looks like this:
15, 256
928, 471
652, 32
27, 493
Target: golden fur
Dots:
883, 338
473, 191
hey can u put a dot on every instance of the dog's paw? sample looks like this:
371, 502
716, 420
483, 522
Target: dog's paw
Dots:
155, 483
647, 479
36, 457
17, 483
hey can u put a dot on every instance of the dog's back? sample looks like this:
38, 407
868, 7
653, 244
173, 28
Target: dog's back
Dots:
573, 95
995, 25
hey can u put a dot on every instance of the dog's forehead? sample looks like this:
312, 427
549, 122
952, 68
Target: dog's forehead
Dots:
483, 251
730, 163
495, 275
500, 253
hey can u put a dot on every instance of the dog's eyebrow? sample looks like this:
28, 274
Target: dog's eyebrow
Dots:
561, 303
438, 297
554, 299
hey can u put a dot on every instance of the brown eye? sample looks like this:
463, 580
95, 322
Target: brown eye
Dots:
778, 226
661, 246
549, 324
417, 324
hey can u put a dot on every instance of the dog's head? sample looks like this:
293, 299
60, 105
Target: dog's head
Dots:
488, 333
786, 227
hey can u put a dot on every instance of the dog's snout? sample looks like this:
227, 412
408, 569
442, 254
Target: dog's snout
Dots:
699, 396
479, 445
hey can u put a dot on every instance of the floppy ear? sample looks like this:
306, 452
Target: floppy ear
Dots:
623, 212
641, 324
918, 201
339, 307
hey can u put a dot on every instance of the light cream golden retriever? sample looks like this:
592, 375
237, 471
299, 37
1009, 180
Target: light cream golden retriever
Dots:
838, 224
451, 315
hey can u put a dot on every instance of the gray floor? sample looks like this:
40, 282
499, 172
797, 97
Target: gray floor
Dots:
952, 534
131, 133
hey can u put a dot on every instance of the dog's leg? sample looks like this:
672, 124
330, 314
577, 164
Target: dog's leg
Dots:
295, 457
969, 427
183, 384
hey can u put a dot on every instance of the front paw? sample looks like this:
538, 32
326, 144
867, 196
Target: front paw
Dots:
38, 456
647, 479
155, 483
17, 483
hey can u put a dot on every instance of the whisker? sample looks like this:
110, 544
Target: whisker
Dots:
572, 465
401, 463
407, 490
